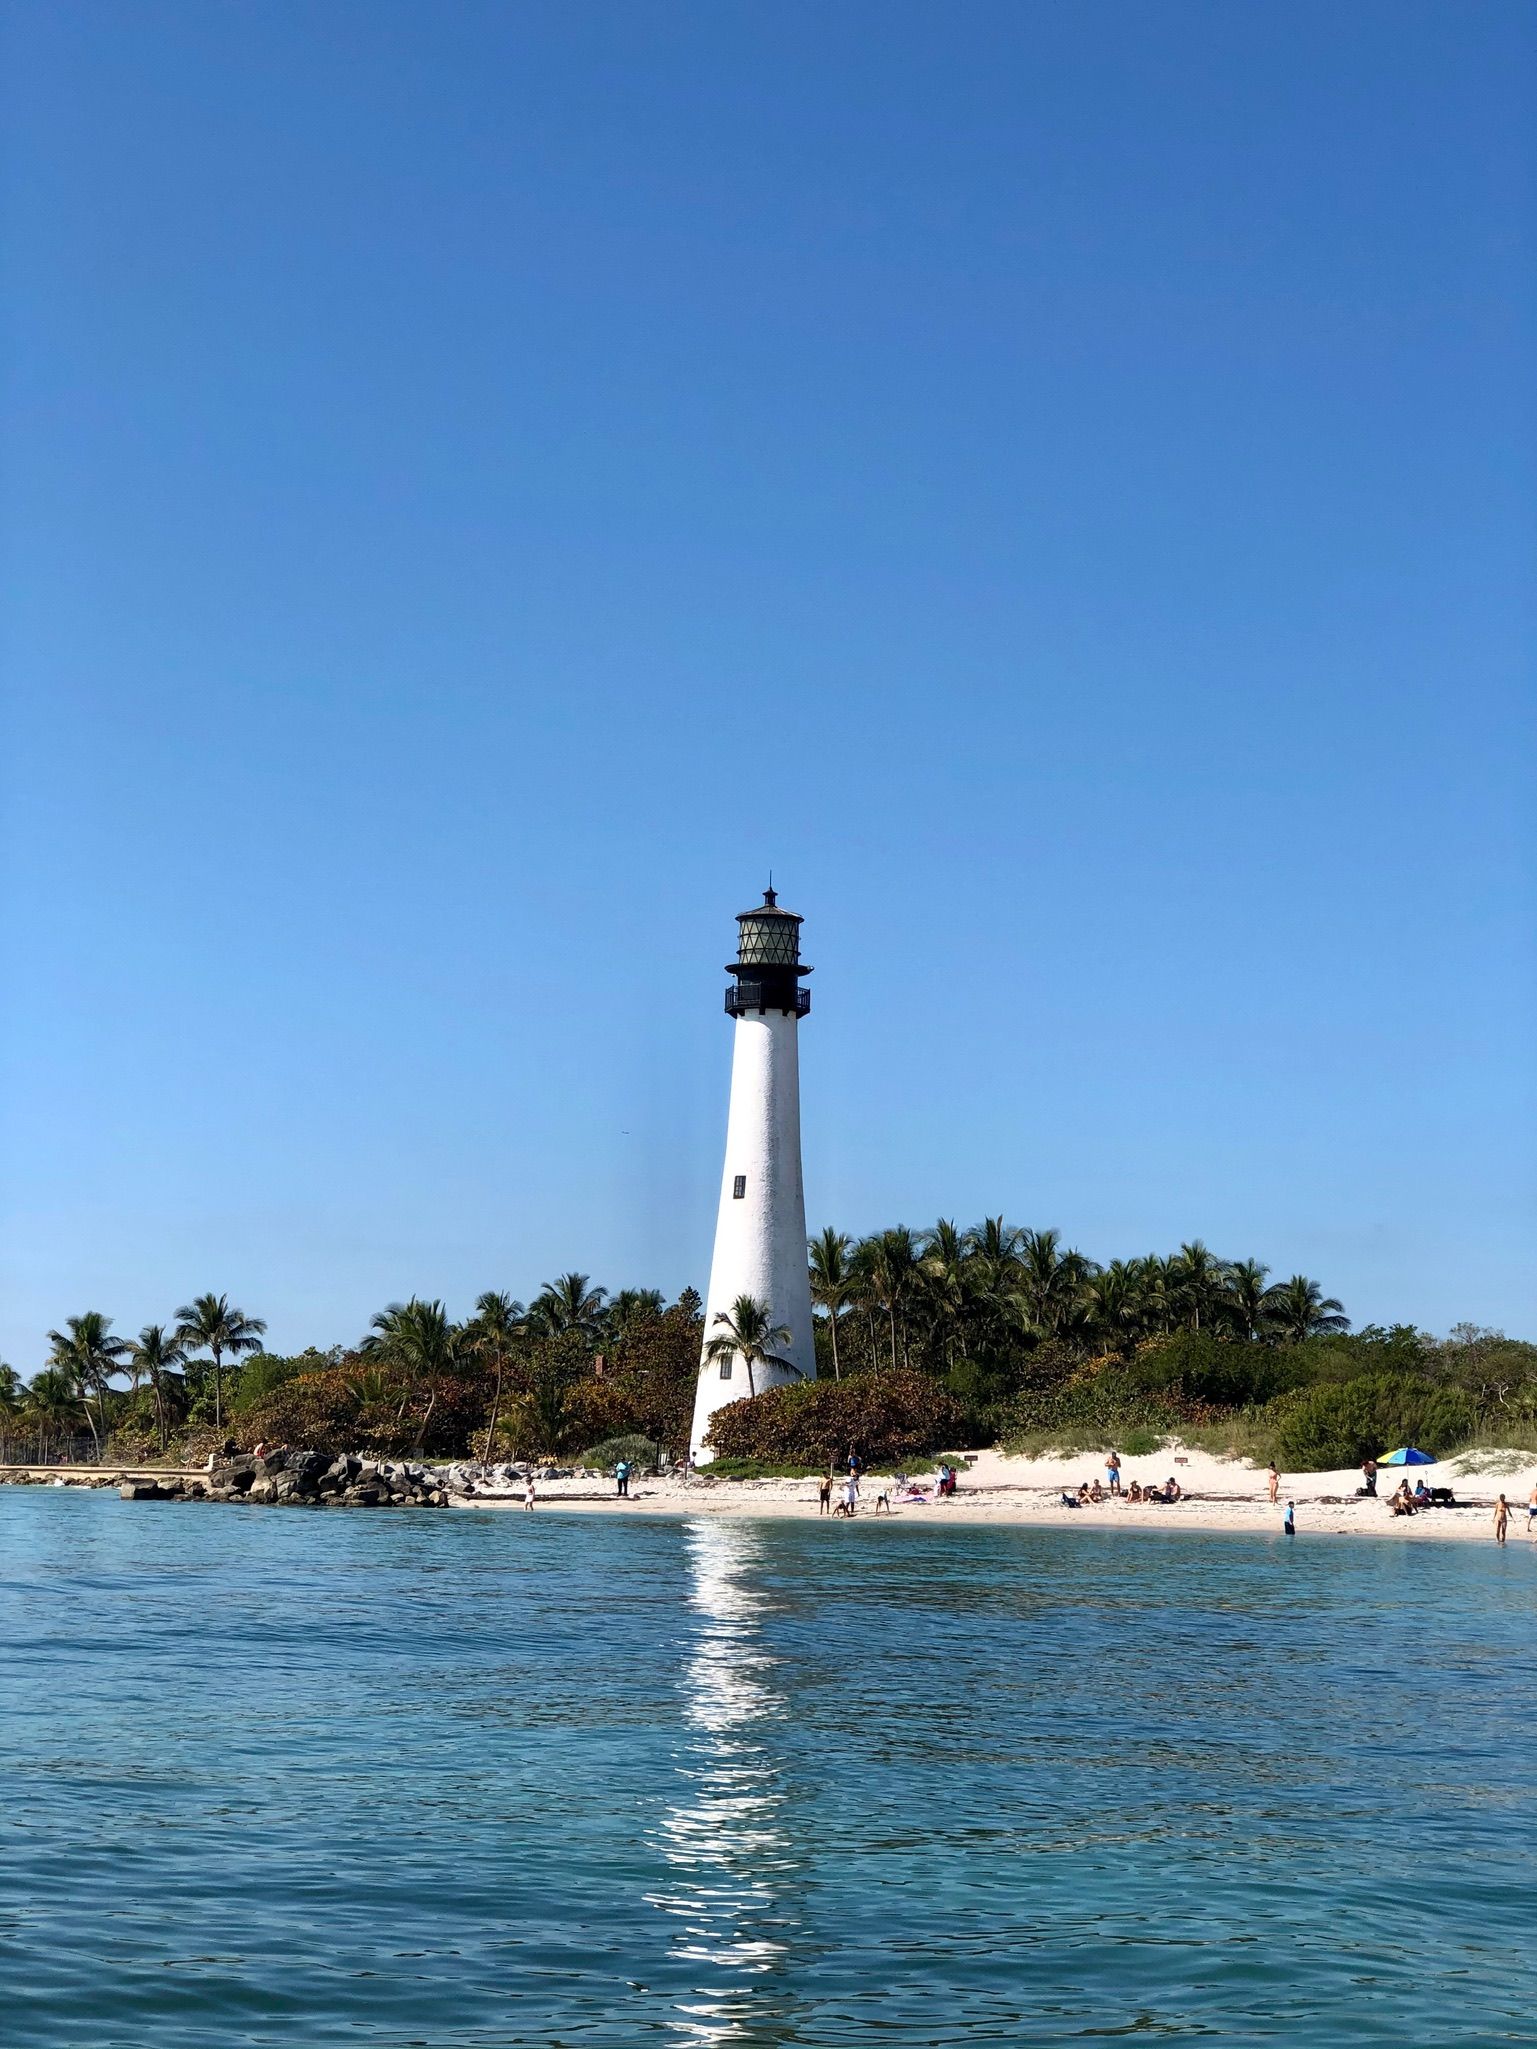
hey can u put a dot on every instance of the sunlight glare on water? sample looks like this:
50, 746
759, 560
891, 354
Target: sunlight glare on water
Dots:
724, 1838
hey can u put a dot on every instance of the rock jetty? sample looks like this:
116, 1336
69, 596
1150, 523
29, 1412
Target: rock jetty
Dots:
300, 1479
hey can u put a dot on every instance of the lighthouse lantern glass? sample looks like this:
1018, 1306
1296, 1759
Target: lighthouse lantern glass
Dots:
769, 943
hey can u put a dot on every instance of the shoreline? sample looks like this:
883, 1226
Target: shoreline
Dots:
1223, 1497
1473, 1523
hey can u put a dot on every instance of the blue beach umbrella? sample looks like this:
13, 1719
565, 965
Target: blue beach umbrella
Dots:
1406, 1455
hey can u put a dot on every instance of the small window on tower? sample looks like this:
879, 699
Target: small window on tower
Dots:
739, 1187
725, 1369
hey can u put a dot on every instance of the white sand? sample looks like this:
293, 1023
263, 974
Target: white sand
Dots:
1223, 1495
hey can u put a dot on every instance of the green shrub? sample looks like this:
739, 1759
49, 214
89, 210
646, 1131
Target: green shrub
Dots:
361, 1406
897, 1415
1321, 1428
264, 1372
1224, 1373
640, 1451
599, 1412
1138, 1442
762, 1469
1248, 1433
1132, 1440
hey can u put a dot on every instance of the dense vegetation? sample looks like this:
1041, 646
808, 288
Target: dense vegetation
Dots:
925, 1341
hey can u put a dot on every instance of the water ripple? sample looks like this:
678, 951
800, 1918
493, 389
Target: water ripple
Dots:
502, 1780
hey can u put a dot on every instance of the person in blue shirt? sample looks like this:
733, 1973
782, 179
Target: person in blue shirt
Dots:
622, 1475
1290, 1524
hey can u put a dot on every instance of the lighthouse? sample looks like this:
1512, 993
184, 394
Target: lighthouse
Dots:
760, 1231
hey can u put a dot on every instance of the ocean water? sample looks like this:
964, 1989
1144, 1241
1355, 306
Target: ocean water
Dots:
473, 1779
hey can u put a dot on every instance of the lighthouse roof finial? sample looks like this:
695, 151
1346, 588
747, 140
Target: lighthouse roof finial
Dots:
768, 895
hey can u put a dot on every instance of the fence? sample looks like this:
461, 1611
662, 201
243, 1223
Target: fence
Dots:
45, 1448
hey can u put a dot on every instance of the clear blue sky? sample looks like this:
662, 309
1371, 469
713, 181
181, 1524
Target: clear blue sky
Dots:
483, 482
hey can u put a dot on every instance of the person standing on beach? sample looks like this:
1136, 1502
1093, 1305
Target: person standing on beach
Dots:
1369, 1475
528, 1490
1290, 1524
825, 1494
1113, 1472
1501, 1518
622, 1477
850, 1490
1531, 1510
1273, 1485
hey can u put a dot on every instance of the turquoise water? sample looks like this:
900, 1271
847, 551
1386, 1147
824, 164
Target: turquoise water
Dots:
481, 1779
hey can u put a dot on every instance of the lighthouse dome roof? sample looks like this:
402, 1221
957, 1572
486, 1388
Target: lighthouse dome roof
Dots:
770, 907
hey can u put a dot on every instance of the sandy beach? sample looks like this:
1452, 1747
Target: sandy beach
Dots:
1221, 1494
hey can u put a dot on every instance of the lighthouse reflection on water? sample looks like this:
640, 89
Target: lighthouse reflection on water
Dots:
725, 1838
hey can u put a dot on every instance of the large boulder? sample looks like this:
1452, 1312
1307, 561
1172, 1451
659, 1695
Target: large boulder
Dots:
235, 1474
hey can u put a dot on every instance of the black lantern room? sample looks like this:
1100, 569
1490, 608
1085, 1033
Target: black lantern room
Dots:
768, 963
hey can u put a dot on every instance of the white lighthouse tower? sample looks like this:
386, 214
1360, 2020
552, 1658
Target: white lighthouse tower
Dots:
760, 1233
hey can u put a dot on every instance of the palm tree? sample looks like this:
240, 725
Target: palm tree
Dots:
1198, 1278
1244, 1297
417, 1338
632, 1305
372, 1384
994, 1279
53, 1401
1054, 1283
833, 1281
1155, 1291
11, 1399
209, 1324
1115, 1305
569, 1304
497, 1325
749, 1330
946, 1269
1298, 1309
889, 1263
86, 1350
156, 1357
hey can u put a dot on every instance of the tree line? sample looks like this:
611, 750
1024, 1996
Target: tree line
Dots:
992, 1295
1020, 1333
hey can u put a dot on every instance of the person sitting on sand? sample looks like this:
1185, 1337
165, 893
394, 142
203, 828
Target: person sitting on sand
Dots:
1421, 1493
1173, 1490
1096, 1492
1084, 1496
1134, 1491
